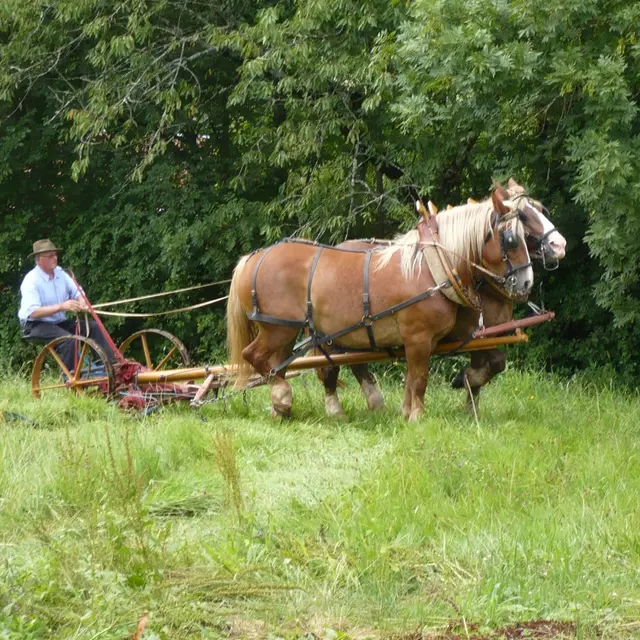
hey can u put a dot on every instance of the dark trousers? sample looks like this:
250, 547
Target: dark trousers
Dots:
38, 331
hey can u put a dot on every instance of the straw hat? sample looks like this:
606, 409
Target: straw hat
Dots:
42, 246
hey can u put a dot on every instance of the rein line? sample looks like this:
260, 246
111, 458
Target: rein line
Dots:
98, 307
160, 313
159, 295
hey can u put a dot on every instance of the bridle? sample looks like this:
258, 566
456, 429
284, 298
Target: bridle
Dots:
508, 241
549, 264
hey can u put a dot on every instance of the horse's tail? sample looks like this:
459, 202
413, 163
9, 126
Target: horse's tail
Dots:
240, 330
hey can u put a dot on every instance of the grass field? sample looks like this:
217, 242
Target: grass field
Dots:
224, 523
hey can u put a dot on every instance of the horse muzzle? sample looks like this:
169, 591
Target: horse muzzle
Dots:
550, 249
518, 282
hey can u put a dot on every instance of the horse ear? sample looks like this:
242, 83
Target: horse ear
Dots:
498, 186
421, 210
433, 210
471, 201
500, 200
512, 183
449, 206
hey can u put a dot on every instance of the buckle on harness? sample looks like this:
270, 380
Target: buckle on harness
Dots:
367, 321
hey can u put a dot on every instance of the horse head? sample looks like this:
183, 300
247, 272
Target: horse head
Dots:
505, 251
544, 241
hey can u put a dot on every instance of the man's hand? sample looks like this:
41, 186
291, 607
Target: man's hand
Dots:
73, 305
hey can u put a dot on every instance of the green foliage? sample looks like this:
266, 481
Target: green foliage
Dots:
160, 141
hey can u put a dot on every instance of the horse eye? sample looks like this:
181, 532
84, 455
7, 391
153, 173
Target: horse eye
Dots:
522, 216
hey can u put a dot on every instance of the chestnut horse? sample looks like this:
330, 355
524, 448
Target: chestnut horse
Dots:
295, 284
545, 243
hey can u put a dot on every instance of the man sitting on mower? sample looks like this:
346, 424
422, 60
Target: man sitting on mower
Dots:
48, 292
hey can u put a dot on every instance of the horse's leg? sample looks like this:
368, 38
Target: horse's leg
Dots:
369, 387
406, 400
418, 354
329, 378
281, 393
485, 365
272, 345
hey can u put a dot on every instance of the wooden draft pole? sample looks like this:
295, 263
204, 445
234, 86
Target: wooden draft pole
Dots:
314, 362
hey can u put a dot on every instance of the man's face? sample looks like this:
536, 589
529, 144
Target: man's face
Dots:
48, 261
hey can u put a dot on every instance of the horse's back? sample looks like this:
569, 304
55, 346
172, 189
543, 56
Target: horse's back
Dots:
282, 277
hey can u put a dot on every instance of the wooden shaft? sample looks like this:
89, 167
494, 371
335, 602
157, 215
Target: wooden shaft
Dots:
313, 362
514, 324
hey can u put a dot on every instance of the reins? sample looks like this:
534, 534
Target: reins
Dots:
122, 314
160, 295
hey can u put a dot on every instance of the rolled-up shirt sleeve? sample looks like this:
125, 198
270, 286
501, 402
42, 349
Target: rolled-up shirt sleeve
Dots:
30, 299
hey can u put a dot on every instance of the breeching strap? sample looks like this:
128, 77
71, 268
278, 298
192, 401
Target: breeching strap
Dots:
260, 317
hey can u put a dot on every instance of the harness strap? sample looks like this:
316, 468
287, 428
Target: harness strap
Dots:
366, 305
259, 317
304, 346
540, 247
511, 270
313, 243
254, 279
407, 303
544, 236
312, 271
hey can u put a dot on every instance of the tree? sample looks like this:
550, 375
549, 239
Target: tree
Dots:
325, 118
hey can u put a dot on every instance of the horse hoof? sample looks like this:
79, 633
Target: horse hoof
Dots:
375, 402
285, 415
372, 394
337, 415
333, 409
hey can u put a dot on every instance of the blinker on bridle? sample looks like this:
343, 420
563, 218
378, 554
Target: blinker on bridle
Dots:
508, 241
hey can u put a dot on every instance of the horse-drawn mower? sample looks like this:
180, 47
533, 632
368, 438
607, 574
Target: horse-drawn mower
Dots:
135, 385
476, 256
152, 367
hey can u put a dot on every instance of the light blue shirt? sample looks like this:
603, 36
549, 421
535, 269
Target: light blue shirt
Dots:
38, 289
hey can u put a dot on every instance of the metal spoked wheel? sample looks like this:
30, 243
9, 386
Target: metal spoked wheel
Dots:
158, 350
92, 372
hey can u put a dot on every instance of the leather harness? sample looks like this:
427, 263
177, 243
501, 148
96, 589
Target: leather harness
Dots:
315, 338
426, 227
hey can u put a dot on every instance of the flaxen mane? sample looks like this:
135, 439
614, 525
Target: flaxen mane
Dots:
462, 232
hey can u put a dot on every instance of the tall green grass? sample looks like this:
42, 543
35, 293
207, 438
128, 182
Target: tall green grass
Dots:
223, 522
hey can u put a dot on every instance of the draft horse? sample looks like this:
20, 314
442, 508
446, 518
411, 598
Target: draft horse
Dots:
360, 298
545, 243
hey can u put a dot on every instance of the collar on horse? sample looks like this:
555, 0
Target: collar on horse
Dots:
467, 295
458, 292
